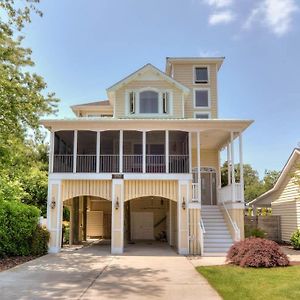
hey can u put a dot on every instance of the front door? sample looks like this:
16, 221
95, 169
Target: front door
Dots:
208, 188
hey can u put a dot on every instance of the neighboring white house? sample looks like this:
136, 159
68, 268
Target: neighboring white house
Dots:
147, 161
284, 197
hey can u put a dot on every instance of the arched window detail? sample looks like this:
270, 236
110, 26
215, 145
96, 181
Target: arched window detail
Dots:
149, 102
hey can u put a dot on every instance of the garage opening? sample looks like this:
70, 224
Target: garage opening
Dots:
89, 222
150, 222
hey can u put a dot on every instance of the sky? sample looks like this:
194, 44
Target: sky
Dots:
83, 47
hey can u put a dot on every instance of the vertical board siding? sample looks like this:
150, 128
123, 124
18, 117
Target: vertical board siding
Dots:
184, 74
194, 219
161, 188
97, 188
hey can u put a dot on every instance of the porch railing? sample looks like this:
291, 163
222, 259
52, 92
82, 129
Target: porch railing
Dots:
109, 163
132, 163
86, 163
155, 163
178, 163
225, 193
63, 163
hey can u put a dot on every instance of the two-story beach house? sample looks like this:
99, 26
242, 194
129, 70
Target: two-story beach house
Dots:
145, 163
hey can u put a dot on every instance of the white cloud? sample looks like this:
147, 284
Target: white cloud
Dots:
275, 14
219, 3
221, 17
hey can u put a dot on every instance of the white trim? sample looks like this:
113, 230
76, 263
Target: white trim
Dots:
167, 150
232, 166
121, 152
144, 152
202, 113
241, 164
51, 151
199, 166
190, 152
75, 151
194, 75
208, 95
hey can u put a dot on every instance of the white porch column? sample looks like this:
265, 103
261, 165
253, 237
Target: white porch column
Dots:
232, 165
170, 224
228, 165
98, 152
75, 151
167, 150
199, 167
51, 152
144, 151
241, 165
190, 153
219, 170
117, 214
121, 152
54, 215
182, 217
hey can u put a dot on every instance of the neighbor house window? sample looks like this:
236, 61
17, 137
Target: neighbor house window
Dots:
202, 115
201, 75
149, 102
201, 98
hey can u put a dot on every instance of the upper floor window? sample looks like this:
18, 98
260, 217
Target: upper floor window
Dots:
149, 102
201, 98
201, 75
202, 115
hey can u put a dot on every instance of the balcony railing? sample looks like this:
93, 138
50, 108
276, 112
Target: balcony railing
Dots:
110, 163
225, 193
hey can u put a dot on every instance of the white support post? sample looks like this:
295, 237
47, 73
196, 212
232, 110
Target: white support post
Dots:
190, 153
170, 224
144, 151
121, 152
232, 165
75, 151
51, 152
241, 165
98, 152
228, 165
199, 166
167, 150
219, 170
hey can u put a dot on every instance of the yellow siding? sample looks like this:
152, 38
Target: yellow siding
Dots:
290, 217
97, 188
194, 219
141, 188
184, 74
120, 107
208, 158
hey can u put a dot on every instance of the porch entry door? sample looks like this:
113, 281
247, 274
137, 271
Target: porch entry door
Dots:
208, 188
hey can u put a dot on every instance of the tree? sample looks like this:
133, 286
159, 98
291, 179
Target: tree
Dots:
23, 100
270, 179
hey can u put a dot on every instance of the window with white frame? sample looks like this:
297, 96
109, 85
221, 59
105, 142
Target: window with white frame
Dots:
201, 98
201, 74
202, 115
149, 102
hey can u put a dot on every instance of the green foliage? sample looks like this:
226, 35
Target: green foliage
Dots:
295, 239
254, 187
66, 233
254, 232
17, 225
39, 241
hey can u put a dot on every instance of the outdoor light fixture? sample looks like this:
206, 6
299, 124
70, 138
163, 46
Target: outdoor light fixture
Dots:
183, 205
53, 203
117, 204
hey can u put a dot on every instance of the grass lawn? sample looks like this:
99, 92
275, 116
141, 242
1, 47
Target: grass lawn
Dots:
234, 282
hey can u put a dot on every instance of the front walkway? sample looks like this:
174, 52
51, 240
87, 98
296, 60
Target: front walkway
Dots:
144, 272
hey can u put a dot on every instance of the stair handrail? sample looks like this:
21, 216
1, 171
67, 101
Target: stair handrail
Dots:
201, 235
237, 232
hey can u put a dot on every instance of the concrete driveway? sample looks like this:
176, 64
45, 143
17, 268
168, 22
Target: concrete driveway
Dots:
145, 271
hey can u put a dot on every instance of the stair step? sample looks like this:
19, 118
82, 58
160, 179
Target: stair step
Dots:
215, 249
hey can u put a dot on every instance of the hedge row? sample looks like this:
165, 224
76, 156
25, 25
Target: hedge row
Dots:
20, 233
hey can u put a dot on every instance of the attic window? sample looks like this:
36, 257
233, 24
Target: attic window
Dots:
201, 75
149, 102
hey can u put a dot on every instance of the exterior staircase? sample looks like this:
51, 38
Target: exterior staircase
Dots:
217, 238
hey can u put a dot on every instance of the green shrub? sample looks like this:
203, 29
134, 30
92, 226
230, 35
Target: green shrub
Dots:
66, 230
39, 241
295, 239
254, 232
18, 222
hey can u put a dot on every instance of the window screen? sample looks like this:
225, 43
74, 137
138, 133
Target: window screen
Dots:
201, 98
201, 75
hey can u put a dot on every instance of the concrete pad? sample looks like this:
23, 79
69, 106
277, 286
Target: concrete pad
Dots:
198, 261
143, 272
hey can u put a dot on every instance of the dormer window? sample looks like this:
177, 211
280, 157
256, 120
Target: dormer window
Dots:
149, 102
201, 75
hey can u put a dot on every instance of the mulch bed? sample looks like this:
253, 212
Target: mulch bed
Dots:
10, 262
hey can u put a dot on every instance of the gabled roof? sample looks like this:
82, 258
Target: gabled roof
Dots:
96, 103
142, 70
285, 171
